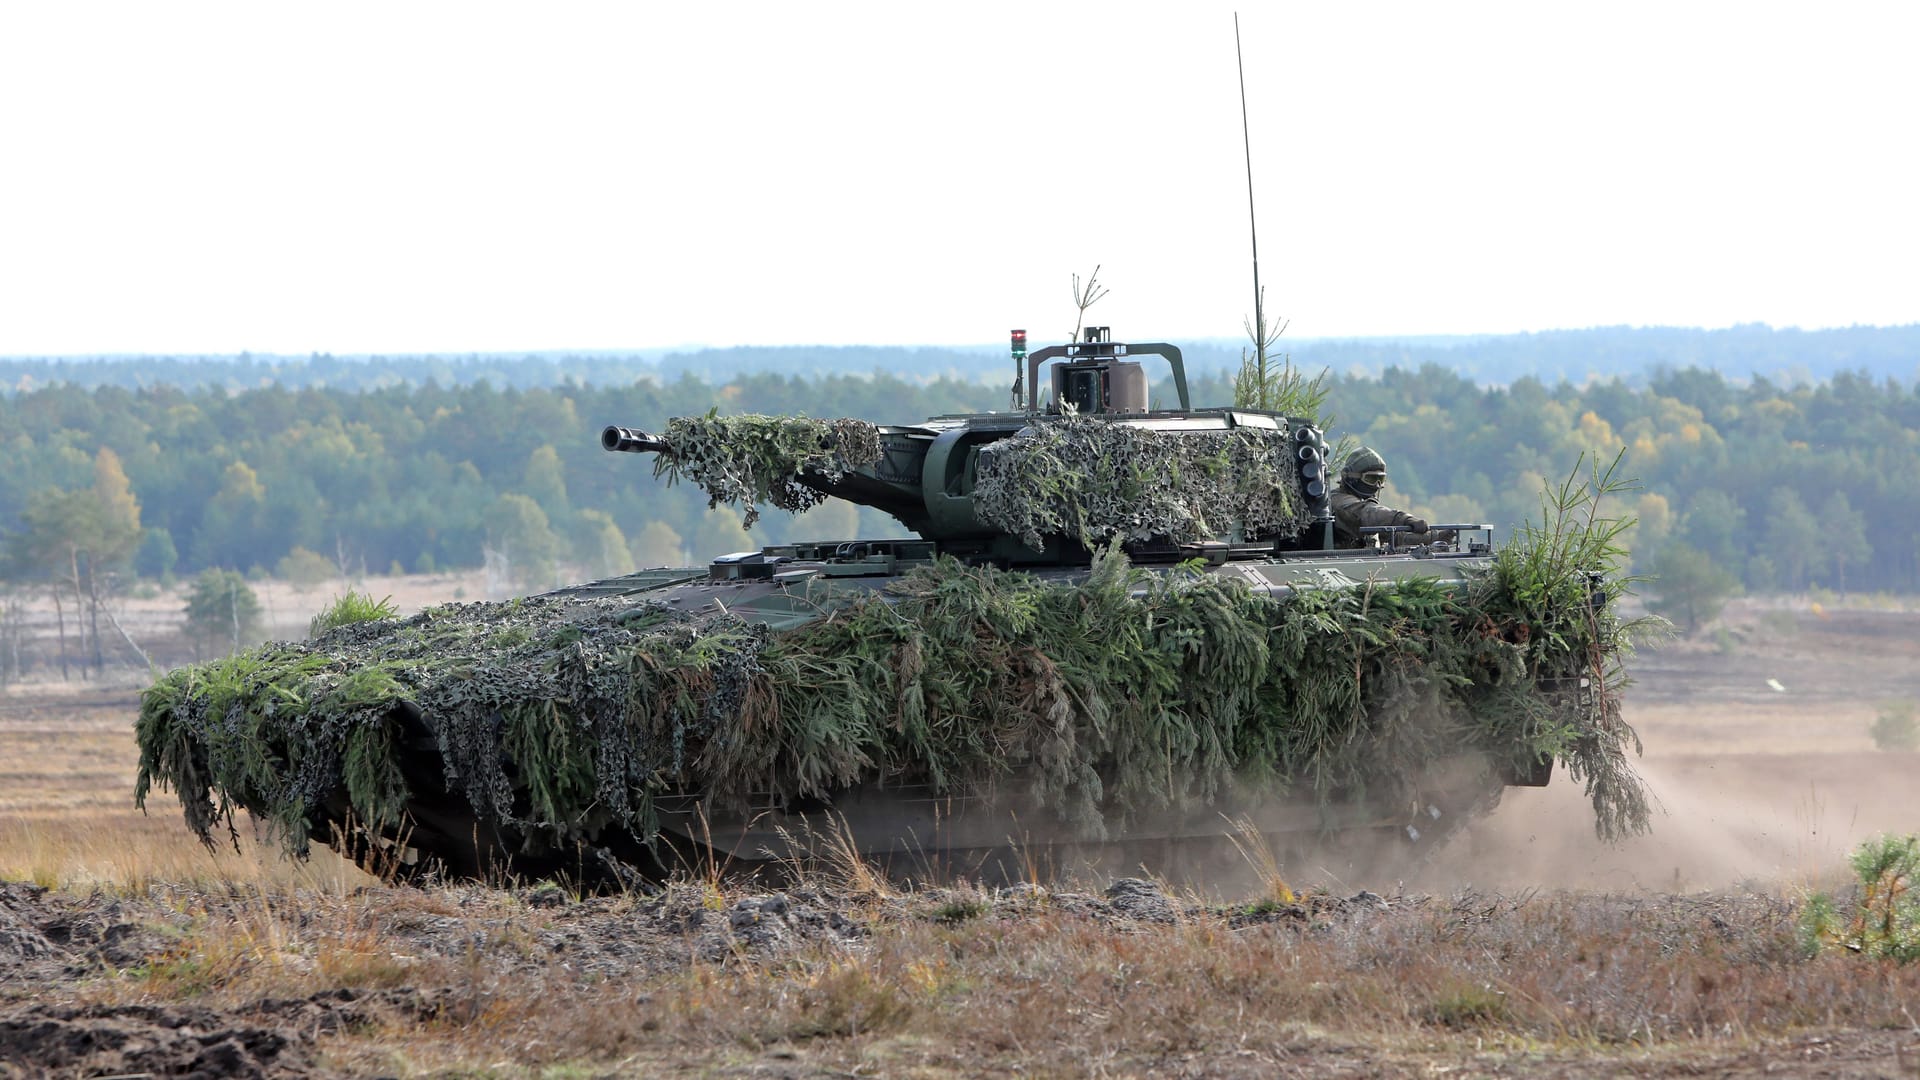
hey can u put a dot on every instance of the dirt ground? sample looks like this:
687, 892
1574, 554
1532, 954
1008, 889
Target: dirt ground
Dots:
458, 947
1757, 747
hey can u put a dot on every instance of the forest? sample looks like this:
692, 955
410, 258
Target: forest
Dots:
1744, 483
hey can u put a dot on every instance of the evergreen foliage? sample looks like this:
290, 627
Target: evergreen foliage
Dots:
1282, 388
1884, 920
222, 611
1262, 382
1098, 481
1559, 578
755, 459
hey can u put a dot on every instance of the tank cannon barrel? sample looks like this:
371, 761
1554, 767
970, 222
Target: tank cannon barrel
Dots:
631, 441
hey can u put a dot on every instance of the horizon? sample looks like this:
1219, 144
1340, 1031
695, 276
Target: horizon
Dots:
656, 352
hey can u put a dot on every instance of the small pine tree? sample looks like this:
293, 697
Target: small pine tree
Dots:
223, 613
1885, 920
1275, 385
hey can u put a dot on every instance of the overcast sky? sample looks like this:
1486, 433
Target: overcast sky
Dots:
410, 177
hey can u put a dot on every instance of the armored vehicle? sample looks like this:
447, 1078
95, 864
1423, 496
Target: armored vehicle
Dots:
1117, 627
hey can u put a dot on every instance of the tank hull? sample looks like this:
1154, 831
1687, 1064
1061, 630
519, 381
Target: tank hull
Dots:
997, 830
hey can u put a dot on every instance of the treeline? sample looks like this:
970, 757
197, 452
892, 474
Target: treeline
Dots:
525, 371
1636, 354
1766, 485
1759, 485
1633, 354
416, 478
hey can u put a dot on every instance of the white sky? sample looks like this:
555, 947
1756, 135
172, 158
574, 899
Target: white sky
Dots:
411, 177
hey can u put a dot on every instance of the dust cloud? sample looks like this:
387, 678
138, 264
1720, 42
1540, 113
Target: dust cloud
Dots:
1757, 751
1757, 821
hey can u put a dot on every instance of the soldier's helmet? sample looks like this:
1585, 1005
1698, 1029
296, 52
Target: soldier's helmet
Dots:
1365, 472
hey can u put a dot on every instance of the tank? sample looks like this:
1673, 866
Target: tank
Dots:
1119, 632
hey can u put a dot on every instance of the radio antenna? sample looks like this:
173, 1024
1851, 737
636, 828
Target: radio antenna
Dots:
1246, 141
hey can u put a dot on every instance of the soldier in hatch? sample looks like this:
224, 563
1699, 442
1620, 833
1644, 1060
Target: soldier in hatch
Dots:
1356, 504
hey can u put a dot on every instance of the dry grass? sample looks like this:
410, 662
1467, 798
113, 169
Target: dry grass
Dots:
67, 819
867, 978
1265, 862
126, 852
1048, 989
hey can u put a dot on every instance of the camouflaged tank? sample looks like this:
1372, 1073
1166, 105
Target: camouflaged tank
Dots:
1117, 628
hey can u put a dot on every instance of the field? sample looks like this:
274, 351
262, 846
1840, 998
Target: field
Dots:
1525, 948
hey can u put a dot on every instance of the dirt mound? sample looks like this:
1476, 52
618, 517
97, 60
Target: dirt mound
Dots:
45, 934
96, 1040
274, 1037
616, 936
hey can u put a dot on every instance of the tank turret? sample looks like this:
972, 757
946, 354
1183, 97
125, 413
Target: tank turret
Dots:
1086, 462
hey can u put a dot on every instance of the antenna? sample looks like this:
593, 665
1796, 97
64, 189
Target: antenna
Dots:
1325, 517
1246, 141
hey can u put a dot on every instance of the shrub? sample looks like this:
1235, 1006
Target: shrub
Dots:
960, 909
1886, 917
306, 569
1469, 1006
1896, 728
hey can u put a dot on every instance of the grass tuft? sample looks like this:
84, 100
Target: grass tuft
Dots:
1469, 1006
351, 609
959, 909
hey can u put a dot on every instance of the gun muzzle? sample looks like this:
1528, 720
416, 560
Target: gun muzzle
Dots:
631, 441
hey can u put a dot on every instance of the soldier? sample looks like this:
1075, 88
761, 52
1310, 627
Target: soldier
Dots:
1356, 503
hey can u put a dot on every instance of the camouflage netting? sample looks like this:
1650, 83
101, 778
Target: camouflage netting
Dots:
1124, 694
755, 459
1099, 481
